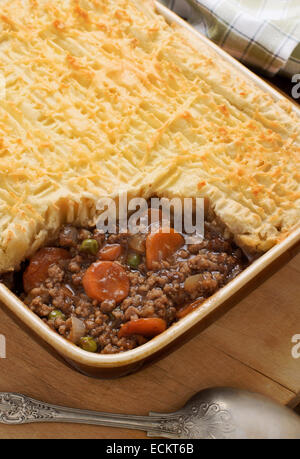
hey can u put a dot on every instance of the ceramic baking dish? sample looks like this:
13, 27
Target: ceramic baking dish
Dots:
123, 363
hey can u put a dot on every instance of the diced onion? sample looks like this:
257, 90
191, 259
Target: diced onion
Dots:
137, 243
192, 282
77, 330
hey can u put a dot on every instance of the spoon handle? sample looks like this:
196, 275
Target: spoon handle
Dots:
20, 409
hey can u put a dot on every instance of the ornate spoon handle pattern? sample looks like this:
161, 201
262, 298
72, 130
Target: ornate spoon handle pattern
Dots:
203, 421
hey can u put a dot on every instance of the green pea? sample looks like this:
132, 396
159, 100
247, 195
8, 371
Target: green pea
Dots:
88, 344
55, 314
133, 260
89, 246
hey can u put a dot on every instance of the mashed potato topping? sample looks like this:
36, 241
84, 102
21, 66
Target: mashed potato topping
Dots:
103, 96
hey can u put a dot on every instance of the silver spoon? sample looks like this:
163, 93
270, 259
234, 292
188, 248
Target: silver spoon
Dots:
211, 413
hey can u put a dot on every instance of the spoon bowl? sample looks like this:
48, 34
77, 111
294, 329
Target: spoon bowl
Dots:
225, 412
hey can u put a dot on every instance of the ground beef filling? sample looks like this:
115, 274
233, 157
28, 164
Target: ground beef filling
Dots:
194, 272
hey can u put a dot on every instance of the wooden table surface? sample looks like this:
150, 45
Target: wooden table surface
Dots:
249, 347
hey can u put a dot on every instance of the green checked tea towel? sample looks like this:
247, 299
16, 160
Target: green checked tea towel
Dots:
260, 33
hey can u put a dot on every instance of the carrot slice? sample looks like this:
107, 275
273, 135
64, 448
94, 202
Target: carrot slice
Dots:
161, 245
37, 271
110, 252
106, 280
148, 327
187, 309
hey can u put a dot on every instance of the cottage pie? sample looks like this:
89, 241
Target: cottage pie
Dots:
103, 96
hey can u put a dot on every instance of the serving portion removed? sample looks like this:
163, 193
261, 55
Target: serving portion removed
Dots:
109, 293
